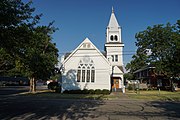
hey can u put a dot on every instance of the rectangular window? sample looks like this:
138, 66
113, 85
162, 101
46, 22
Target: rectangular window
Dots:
116, 58
83, 75
78, 75
92, 75
112, 58
88, 76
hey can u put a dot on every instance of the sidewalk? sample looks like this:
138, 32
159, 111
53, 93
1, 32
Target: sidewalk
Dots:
120, 95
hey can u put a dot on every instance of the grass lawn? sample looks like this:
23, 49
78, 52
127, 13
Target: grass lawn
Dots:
52, 95
154, 95
141, 95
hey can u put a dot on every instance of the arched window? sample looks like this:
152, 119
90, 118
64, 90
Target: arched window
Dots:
92, 74
83, 74
116, 37
88, 74
79, 74
86, 71
111, 38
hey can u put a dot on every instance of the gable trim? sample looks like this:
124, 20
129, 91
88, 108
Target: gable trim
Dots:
95, 48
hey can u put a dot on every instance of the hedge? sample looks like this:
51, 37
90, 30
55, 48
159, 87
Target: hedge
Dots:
54, 86
85, 91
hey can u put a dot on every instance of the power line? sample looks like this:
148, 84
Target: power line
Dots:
95, 53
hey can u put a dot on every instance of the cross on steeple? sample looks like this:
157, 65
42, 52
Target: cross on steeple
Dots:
112, 9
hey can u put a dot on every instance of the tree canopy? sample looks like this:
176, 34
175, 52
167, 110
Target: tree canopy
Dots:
163, 44
26, 47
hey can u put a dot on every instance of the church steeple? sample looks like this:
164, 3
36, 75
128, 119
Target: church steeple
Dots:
114, 45
113, 30
113, 24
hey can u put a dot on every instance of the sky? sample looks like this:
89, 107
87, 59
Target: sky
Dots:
78, 19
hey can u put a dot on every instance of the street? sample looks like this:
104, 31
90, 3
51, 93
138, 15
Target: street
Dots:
17, 107
10, 90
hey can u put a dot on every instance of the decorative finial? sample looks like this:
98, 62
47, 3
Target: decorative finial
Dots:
112, 9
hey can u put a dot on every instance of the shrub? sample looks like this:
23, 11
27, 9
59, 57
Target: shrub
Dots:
85, 91
97, 91
75, 91
105, 92
130, 87
66, 92
54, 86
91, 91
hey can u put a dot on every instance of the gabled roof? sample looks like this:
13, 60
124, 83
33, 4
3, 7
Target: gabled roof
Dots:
121, 68
81, 47
118, 70
113, 23
145, 68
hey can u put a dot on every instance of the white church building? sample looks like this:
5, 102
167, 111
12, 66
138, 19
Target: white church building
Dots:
86, 67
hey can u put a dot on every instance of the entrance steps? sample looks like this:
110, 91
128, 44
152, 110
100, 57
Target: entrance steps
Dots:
117, 90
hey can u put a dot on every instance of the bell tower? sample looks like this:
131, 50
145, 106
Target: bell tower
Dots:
114, 53
114, 45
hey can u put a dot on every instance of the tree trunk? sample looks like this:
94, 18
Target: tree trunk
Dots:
172, 85
32, 85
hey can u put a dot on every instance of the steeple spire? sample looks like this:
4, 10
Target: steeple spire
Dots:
113, 21
112, 9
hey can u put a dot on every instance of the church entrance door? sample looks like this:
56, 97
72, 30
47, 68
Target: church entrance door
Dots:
116, 83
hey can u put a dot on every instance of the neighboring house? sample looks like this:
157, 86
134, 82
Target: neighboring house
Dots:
146, 75
88, 68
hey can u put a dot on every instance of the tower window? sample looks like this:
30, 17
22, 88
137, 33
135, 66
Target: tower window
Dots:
116, 37
111, 37
116, 58
112, 58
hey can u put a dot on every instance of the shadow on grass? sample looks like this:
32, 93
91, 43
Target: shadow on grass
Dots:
41, 107
53, 95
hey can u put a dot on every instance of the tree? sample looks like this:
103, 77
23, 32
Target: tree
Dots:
128, 76
40, 56
16, 21
164, 42
139, 60
26, 47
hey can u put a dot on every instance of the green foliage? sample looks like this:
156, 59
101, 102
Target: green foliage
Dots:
130, 87
164, 43
26, 48
97, 91
56, 74
105, 92
129, 76
54, 86
6, 61
85, 91
91, 91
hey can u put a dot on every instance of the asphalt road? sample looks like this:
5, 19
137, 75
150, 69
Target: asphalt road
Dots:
10, 90
30, 107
